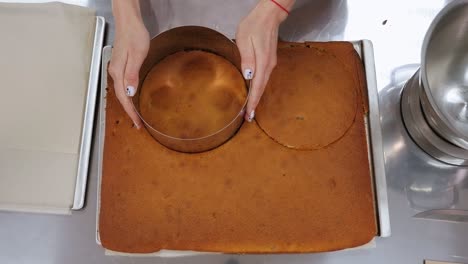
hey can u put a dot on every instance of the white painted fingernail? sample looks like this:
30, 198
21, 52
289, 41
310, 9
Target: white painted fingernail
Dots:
136, 125
251, 116
130, 91
248, 74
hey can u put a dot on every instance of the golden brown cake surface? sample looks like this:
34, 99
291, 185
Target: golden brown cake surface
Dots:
310, 100
192, 94
249, 195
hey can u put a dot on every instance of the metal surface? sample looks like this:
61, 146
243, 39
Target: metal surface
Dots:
374, 139
88, 120
443, 73
452, 215
416, 182
181, 39
421, 132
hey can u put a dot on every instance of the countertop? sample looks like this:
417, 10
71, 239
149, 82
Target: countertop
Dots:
415, 181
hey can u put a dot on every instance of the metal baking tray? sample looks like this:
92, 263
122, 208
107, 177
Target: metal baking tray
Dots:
88, 118
374, 139
106, 56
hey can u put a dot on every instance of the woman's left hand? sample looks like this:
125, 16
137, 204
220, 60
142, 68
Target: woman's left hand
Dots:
257, 40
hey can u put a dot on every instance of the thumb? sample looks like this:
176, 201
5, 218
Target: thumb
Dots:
247, 53
131, 75
131, 80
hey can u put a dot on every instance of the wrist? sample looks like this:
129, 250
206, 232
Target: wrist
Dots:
287, 4
277, 9
126, 12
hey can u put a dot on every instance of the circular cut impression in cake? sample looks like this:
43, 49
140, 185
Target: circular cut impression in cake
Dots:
310, 100
192, 94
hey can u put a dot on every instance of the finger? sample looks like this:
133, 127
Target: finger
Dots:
116, 70
127, 104
266, 62
132, 71
117, 65
247, 53
131, 80
258, 86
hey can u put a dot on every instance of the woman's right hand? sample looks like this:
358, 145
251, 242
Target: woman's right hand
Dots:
130, 48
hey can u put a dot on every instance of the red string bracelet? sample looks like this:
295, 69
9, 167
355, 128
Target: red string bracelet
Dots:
280, 6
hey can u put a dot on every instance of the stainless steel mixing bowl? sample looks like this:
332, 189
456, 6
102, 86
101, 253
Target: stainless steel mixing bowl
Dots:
421, 132
444, 73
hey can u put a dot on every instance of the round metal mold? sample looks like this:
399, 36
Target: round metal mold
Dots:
191, 38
